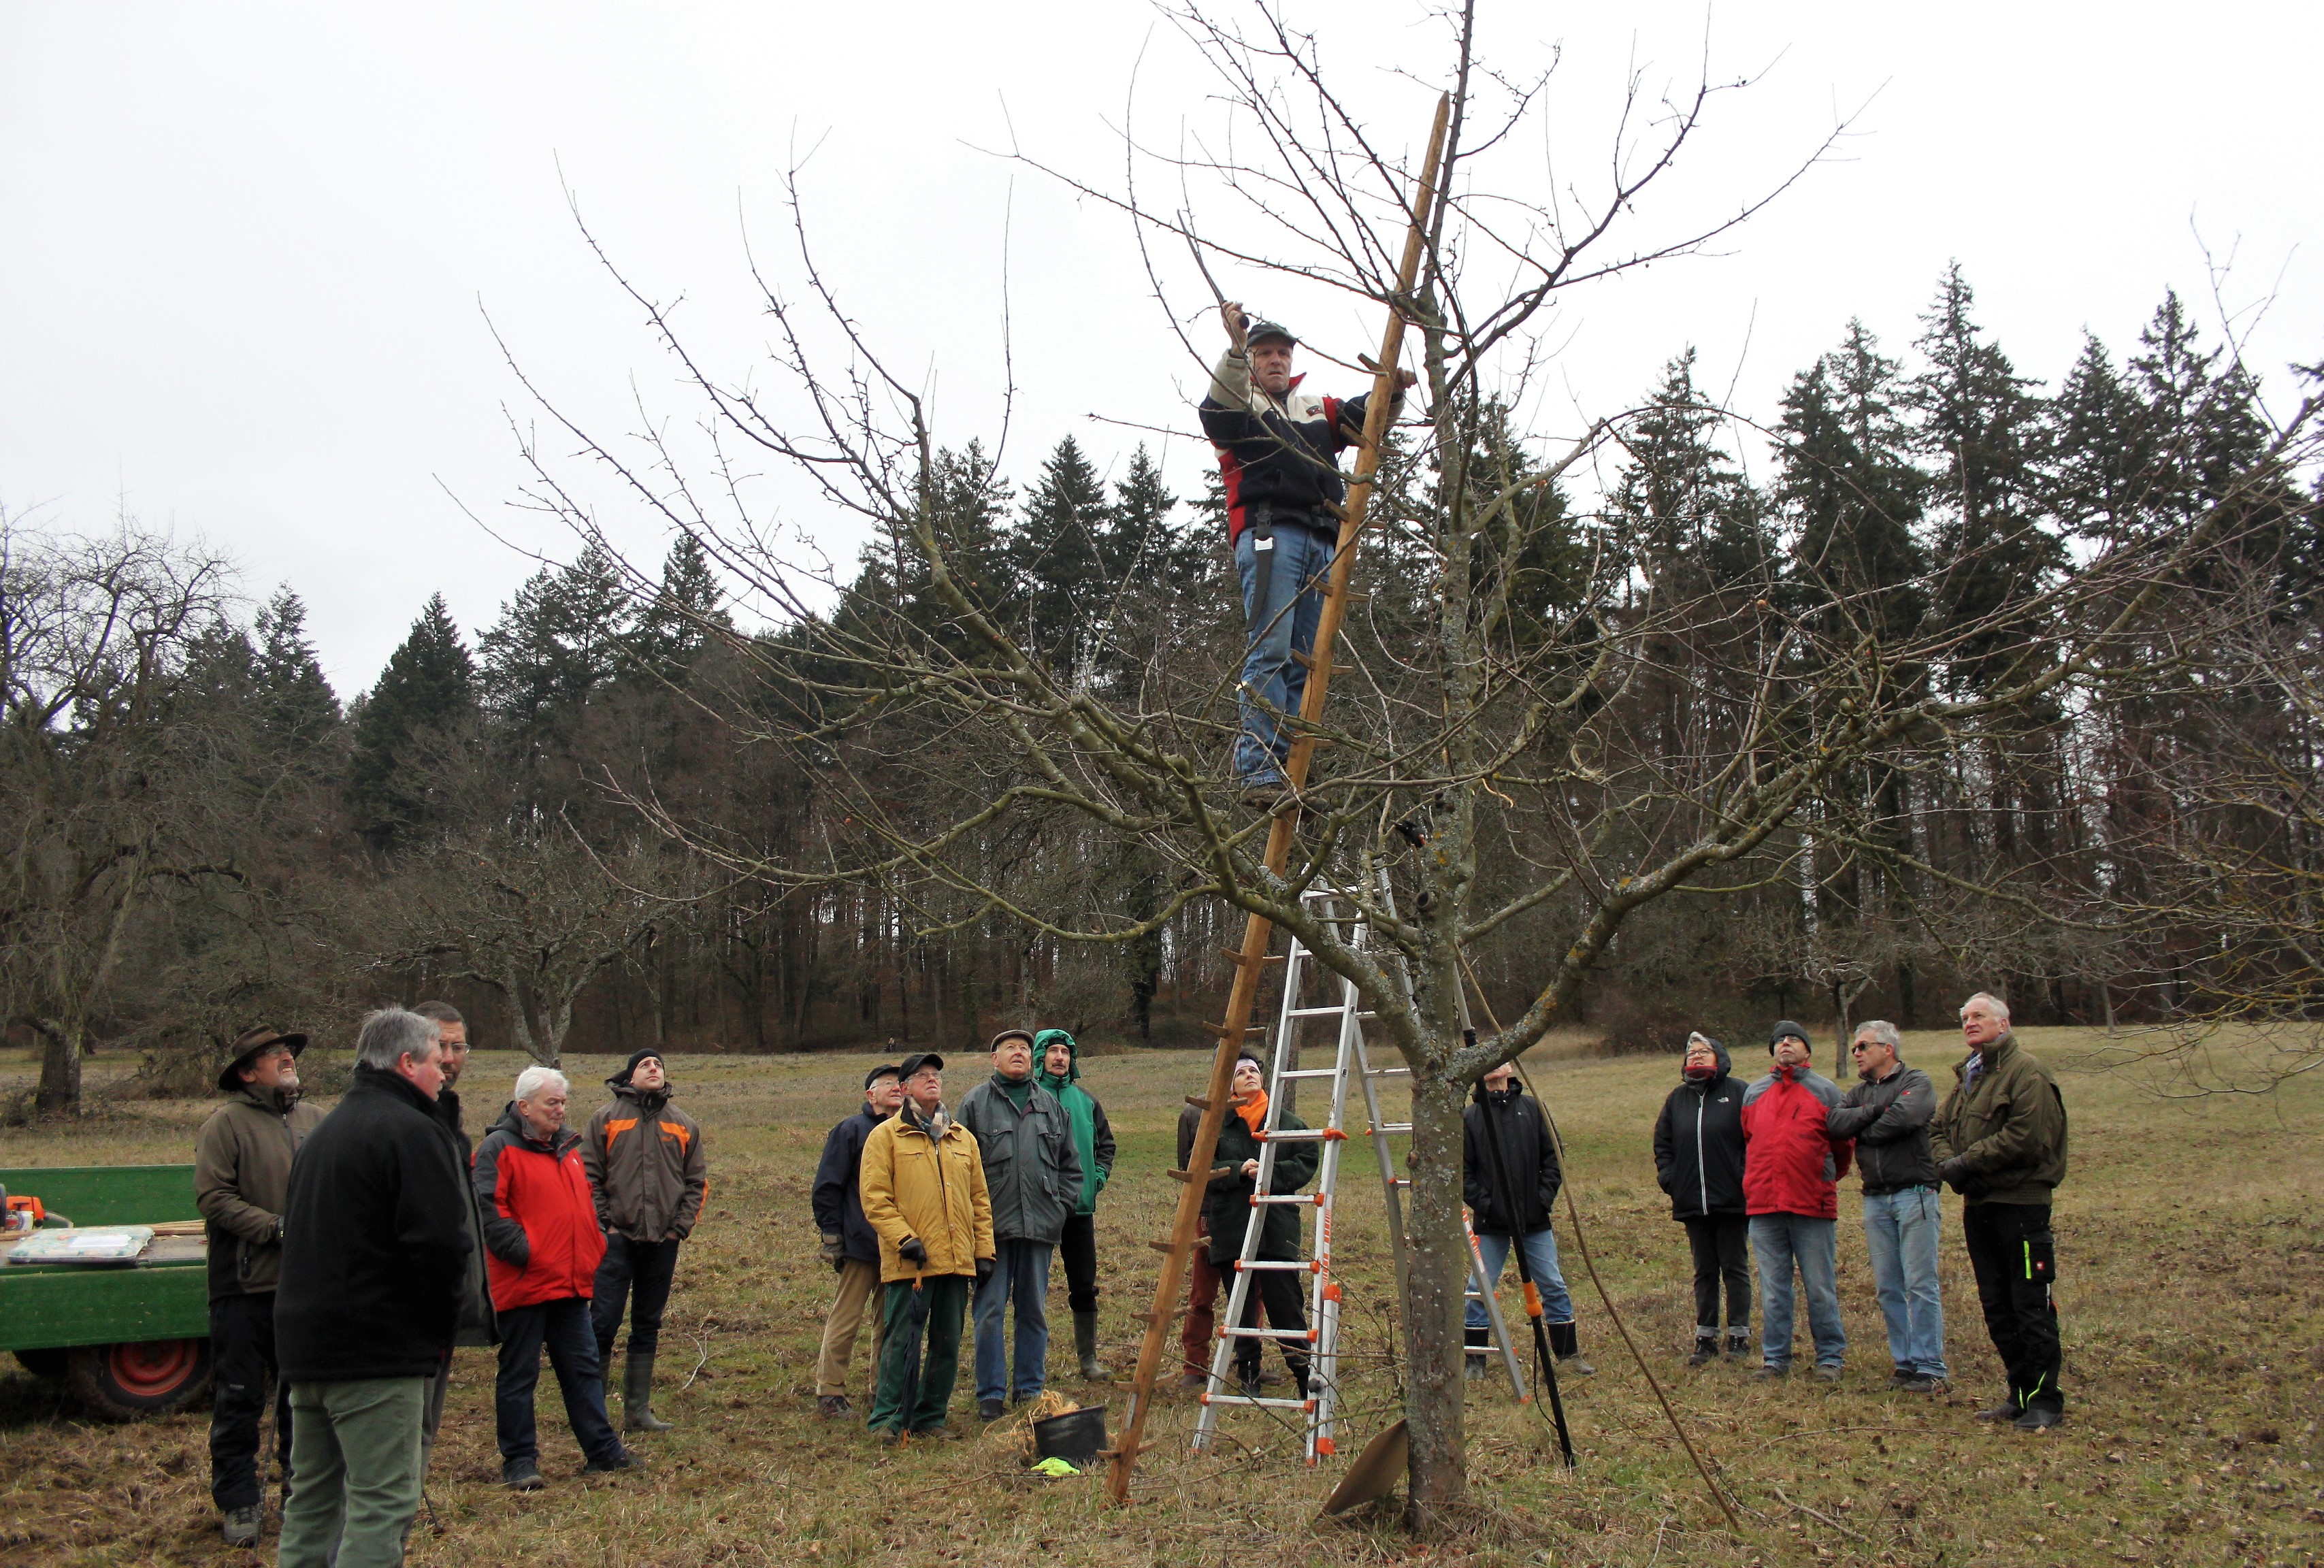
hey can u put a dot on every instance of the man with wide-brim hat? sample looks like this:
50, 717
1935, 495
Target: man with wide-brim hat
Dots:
242, 1185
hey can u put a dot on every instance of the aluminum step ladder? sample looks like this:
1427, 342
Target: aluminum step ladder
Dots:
1351, 1063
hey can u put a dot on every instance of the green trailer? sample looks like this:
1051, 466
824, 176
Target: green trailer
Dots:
129, 1339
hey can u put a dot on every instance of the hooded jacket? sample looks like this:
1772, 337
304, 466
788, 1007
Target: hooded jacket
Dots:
1282, 455
931, 1187
541, 1223
645, 1163
1032, 1171
1226, 1206
1528, 1155
1889, 1120
1792, 1165
242, 1185
837, 1197
374, 1245
1093, 1134
1699, 1143
2008, 1128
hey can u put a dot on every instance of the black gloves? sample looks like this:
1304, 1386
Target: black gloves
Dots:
983, 1271
913, 1252
1961, 1178
834, 1250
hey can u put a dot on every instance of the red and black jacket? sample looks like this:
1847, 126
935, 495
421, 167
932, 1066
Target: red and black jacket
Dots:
541, 1238
1792, 1165
1280, 455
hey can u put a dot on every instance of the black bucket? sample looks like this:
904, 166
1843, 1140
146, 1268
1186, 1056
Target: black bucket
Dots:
1075, 1437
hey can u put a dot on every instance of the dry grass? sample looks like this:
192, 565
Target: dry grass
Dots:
2193, 1306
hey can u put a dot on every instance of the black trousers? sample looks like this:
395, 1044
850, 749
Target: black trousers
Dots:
2011, 1249
635, 1274
242, 1359
1722, 1247
1078, 1251
1286, 1307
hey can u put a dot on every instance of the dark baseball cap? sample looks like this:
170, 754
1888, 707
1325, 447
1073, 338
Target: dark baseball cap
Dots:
884, 1070
918, 1059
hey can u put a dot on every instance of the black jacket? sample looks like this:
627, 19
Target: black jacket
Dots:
478, 1325
1699, 1144
1227, 1205
376, 1239
838, 1195
1528, 1156
1889, 1121
1280, 453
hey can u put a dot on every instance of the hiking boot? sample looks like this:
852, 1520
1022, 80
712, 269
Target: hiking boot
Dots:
522, 1476
1195, 1380
1917, 1383
1565, 1342
2005, 1411
1706, 1350
2038, 1419
1825, 1374
1769, 1372
240, 1527
621, 1458
637, 1396
1248, 1383
1739, 1345
938, 1433
1086, 1346
989, 1409
1268, 1377
888, 1436
831, 1406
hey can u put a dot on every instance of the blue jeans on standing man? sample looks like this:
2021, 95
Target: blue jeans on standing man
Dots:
1541, 1256
1779, 1242
1283, 625
1900, 1231
1022, 1273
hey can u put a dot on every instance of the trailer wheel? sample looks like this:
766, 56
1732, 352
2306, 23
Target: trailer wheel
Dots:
44, 1363
148, 1378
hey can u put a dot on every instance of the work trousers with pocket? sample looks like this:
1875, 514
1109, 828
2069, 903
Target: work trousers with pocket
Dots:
858, 1297
242, 1359
2015, 1258
935, 1306
356, 1458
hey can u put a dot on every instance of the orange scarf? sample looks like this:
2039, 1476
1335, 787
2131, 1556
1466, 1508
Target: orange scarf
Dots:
1254, 1115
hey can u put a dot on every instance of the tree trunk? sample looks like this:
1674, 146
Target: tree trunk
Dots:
1436, 1280
2106, 1000
60, 1057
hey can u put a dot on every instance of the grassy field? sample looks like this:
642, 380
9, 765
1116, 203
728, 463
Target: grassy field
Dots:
2191, 1298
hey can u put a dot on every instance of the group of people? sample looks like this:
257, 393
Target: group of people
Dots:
349, 1253
1762, 1163
945, 1209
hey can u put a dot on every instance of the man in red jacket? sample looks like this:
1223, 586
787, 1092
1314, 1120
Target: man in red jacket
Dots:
544, 1246
1792, 1167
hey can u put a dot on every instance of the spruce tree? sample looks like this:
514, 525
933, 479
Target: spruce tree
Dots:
298, 711
427, 691
672, 627
1058, 562
563, 635
1681, 499
1850, 494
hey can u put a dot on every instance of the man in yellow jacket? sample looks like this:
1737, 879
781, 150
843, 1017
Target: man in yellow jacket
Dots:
923, 1190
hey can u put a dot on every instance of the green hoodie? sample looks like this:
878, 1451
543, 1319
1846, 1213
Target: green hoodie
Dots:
1093, 1135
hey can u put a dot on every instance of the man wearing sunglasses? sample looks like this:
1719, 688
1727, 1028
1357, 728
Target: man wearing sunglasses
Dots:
1888, 1114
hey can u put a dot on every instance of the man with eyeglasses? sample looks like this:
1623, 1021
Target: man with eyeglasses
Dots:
1888, 1114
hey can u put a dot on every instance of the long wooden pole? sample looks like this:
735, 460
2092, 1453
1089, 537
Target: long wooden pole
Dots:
1251, 959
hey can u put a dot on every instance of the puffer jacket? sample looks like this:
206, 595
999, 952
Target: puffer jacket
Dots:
645, 1164
1889, 1120
1699, 1143
1792, 1165
1528, 1156
914, 1185
1226, 1206
242, 1185
1032, 1170
540, 1222
1281, 454
2008, 1128
1093, 1133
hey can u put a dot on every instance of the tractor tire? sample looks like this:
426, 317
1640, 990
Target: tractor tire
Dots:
126, 1383
48, 1364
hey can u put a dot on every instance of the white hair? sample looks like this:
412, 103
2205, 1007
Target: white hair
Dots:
1993, 1004
1882, 1030
533, 1080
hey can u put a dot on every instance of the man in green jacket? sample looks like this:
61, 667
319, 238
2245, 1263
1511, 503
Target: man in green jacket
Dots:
1999, 1141
1033, 1173
1060, 1072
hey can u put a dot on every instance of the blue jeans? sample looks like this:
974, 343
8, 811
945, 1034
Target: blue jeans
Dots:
1778, 1241
1021, 1274
564, 1329
1283, 625
1541, 1256
1900, 1231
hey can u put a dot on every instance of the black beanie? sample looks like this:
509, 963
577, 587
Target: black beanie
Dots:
1786, 1026
630, 1065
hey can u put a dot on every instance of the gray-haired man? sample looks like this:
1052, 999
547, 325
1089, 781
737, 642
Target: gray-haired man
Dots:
1888, 1114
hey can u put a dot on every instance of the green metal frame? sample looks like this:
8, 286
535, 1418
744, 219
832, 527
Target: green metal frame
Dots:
55, 1307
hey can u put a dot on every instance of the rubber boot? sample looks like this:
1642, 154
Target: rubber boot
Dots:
1567, 1347
637, 1396
1085, 1342
1476, 1344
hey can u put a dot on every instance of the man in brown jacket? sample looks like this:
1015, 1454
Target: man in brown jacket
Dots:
242, 1185
648, 1174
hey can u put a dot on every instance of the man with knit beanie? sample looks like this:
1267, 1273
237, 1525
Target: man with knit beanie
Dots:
1058, 1071
1033, 1176
1792, 1166
649, 1174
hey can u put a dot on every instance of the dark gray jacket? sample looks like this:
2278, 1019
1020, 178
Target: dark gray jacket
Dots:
1031, 1167
1889, 1121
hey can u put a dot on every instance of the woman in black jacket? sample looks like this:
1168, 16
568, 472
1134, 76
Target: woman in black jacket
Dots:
1227, 1207
1698, 1161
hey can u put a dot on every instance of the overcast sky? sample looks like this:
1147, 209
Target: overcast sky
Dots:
248, 254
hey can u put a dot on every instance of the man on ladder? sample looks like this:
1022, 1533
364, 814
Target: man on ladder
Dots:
1279, 455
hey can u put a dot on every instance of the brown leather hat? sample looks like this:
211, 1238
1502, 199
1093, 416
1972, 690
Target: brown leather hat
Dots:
248, 1044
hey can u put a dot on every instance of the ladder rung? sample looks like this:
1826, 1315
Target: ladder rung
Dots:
1310, 1073
1306, 1335
1202, 1102
1256, 1265
1308, 660
1390, 1128
1314, 1198
1390, 1072
1168, 1246
1322, 1012
1220, 1028
1234, 955
1180, 1175
1264, 1404
1306, 1135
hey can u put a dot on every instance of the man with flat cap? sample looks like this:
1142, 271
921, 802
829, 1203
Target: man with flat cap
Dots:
242, 1185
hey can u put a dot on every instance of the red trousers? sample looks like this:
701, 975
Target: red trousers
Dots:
1203, 1278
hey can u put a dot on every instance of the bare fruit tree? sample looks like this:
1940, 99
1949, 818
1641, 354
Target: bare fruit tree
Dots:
1548, 722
